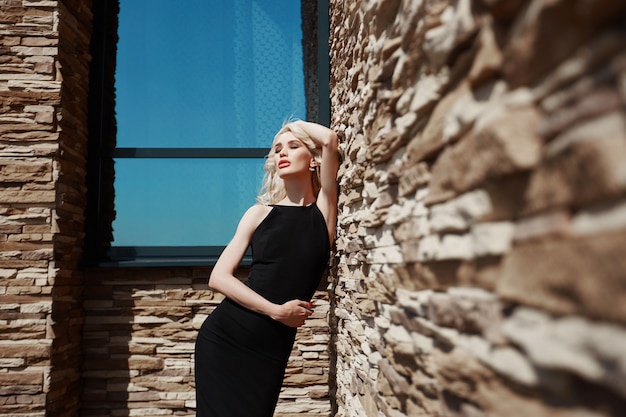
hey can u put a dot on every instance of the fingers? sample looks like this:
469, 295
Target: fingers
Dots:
298, 313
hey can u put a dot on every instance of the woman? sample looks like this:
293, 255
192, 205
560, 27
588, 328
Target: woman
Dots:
243, 346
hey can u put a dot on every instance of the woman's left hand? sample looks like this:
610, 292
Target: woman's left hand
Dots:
293, 313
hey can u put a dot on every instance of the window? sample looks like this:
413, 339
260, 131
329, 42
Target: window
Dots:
200, 92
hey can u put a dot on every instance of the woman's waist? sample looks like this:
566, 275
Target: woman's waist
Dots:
280, 289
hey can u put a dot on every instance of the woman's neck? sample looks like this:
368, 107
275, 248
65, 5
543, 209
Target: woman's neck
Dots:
299, 193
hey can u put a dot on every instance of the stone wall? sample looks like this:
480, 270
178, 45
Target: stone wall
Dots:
480, 264
43, 101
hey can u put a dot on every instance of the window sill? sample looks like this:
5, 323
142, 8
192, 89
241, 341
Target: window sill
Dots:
163, 256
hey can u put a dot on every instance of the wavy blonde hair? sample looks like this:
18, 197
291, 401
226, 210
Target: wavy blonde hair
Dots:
273, 188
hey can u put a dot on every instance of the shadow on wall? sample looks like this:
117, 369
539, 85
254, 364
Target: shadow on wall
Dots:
138, 340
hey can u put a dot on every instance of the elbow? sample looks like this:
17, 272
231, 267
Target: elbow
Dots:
332, 141
213, 283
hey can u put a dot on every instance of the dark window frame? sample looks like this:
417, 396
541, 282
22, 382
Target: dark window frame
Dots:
100, 210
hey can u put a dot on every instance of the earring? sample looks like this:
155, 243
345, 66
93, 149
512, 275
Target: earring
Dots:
312, 169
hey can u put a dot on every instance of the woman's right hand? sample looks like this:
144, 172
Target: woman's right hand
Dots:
293, 313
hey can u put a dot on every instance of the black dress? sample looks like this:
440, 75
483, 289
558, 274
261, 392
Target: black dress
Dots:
241, 355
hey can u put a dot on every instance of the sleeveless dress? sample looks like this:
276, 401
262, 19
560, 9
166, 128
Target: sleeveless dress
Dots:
241, 355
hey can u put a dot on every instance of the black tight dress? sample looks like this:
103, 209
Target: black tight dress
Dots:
241, 355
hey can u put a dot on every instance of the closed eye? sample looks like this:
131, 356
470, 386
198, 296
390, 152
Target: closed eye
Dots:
292, 144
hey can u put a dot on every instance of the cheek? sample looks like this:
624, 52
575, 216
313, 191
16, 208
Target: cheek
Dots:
306, 154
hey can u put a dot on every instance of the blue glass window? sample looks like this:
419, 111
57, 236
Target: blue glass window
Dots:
199, 78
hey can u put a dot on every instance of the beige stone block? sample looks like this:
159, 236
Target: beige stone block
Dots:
16, 118
385, 255
12, 363
601, 218
27, 78
25, 349
457, 24
453, 247
21, 378
305, 379
589, 102
35, 85
30, 237
39, 41
41, 307
430, 140
7, 273
37, 255
40, 229
581, 166
583, 276
594, 351
557, 223
493, 238
489, 57
26, 197
459, 214
545, 34
34, 50
508, 144
40, 3
44, 67
10, 40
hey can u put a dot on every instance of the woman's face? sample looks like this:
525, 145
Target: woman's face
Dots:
291, 156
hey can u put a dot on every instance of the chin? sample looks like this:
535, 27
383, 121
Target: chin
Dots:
288, 173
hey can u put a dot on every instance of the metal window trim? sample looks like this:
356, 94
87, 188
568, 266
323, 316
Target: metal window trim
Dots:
190, 153
142, 256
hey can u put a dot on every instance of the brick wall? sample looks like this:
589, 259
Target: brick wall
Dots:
480, 264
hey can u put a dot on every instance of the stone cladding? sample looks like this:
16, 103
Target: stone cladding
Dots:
43, 100
480, 266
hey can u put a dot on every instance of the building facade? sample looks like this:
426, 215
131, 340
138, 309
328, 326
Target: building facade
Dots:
479, 267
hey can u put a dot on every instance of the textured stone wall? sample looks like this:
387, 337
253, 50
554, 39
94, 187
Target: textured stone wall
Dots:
480, 264
43, 100
139, 335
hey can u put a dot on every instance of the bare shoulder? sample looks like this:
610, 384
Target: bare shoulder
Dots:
258, 210
253, 217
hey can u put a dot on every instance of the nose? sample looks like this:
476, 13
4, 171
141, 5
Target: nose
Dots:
283, 151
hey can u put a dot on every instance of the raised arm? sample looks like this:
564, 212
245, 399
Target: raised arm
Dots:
327, 198
223, 280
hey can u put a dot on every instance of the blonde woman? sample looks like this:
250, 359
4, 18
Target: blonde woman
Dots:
243, 346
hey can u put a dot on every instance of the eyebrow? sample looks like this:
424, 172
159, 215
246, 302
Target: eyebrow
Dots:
289, 142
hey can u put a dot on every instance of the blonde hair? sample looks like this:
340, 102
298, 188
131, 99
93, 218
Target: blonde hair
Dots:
273, 188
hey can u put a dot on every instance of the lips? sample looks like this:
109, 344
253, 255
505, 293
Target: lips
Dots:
283, 163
